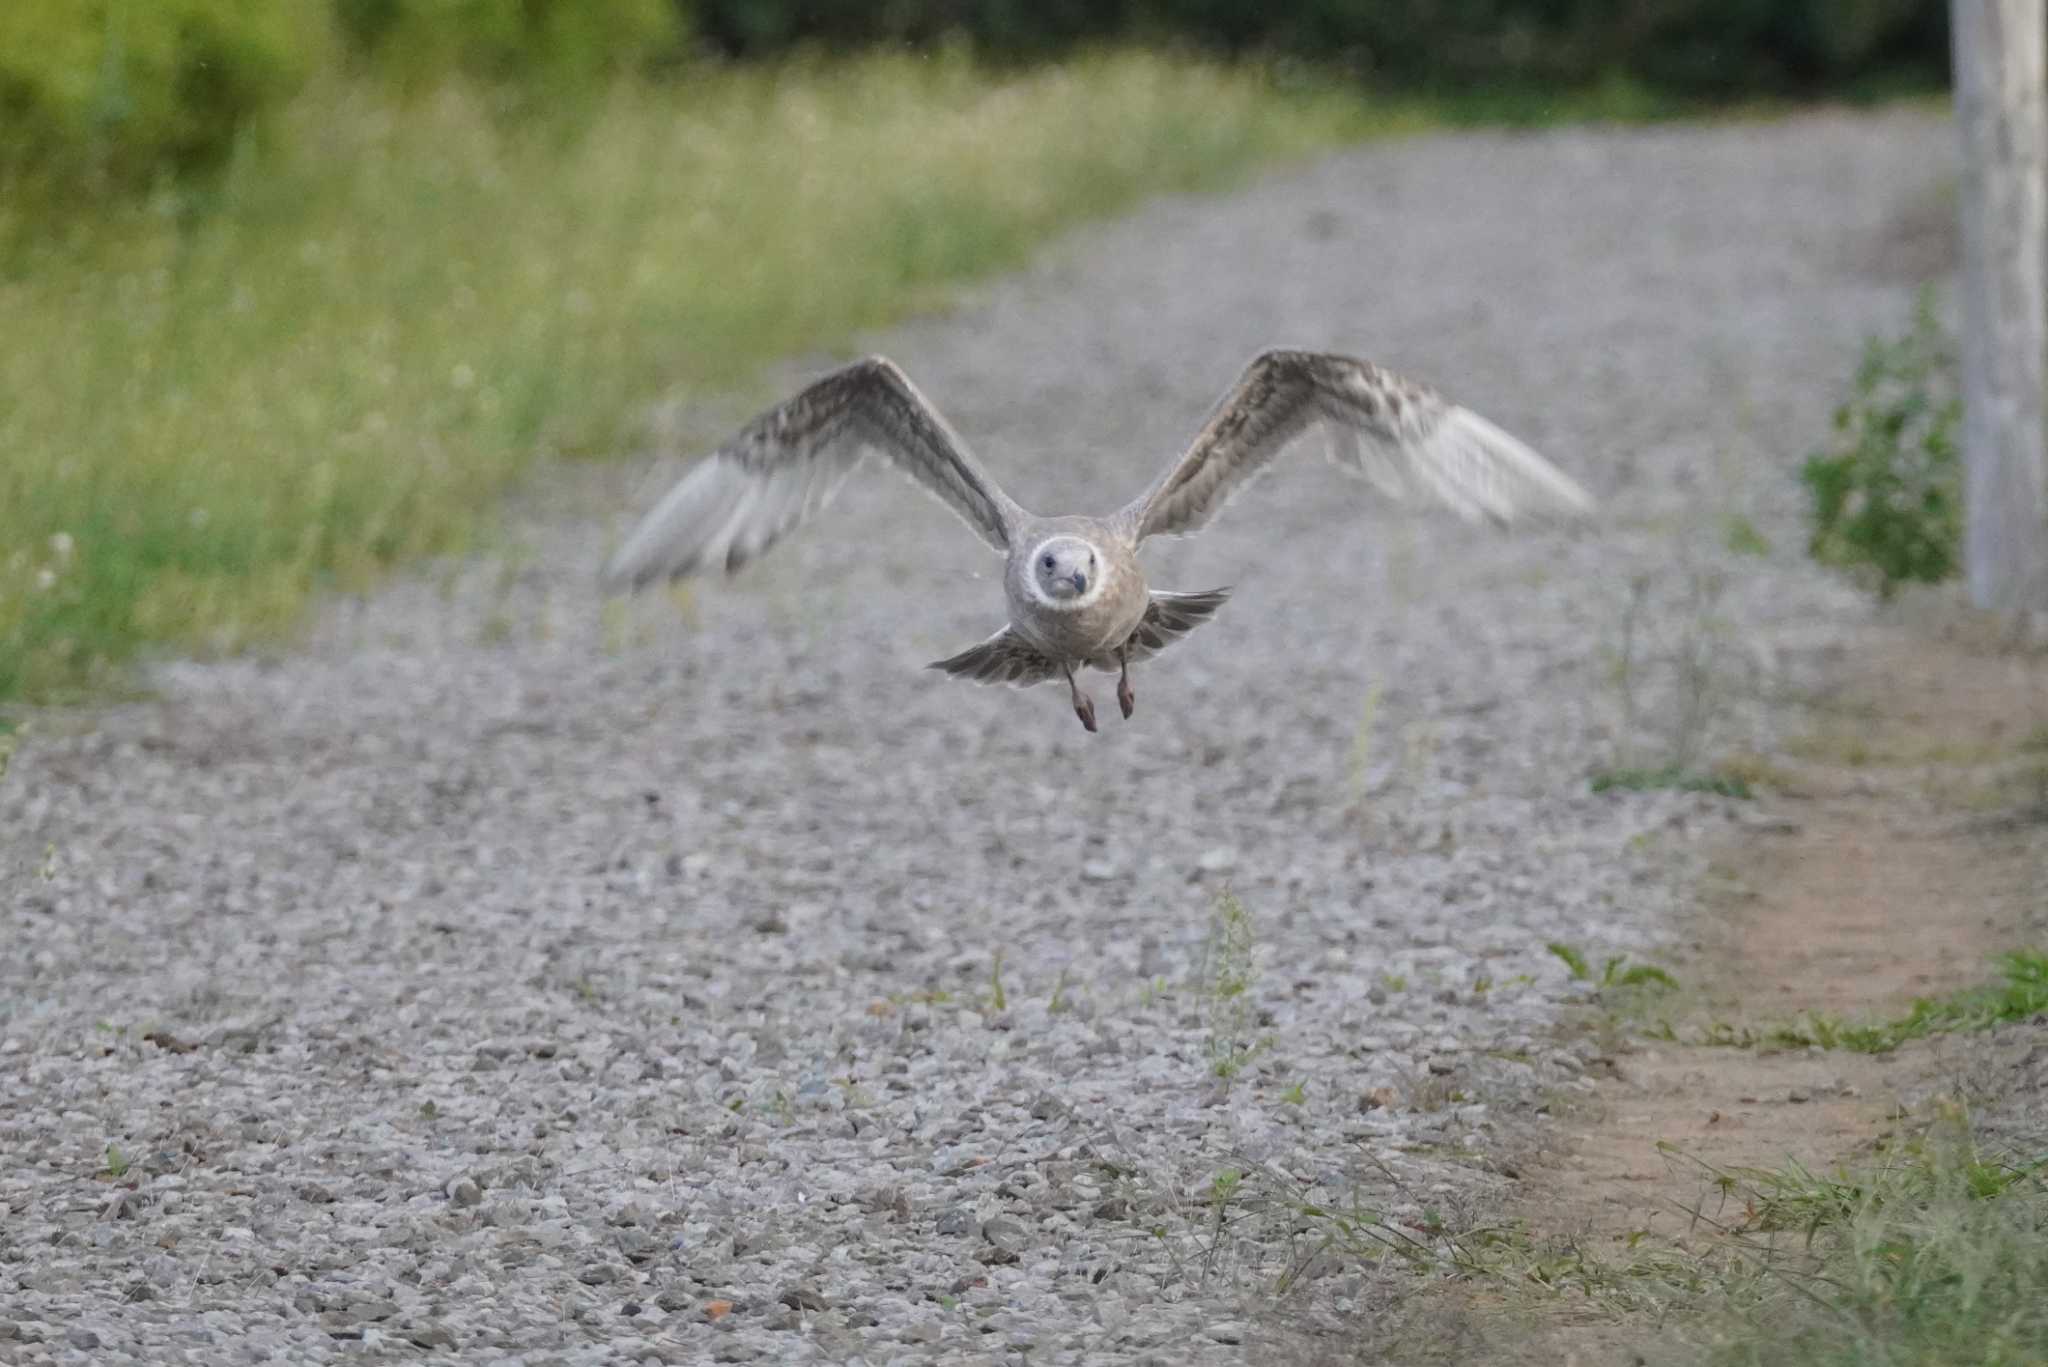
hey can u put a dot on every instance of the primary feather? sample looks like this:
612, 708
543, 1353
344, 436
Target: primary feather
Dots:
1403, 436
786, 465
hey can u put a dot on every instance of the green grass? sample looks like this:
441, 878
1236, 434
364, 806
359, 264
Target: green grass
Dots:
221, 400
1616, 972
2020, 993
1937, 1255
1671, 776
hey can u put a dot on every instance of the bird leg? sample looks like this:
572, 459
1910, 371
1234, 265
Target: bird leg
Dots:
1084, 706
1124, 697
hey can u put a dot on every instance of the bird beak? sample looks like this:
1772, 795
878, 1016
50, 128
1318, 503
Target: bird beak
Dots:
1080, 583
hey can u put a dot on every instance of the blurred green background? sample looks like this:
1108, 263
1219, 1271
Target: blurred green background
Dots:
128, 85
291, 286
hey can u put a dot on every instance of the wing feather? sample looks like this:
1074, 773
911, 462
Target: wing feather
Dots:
1168, 617
1004, 658
785, 466
1402, 436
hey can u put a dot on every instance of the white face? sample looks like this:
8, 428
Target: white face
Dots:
1064, 569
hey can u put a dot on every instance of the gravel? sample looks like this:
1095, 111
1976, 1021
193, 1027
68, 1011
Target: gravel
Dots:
498, 975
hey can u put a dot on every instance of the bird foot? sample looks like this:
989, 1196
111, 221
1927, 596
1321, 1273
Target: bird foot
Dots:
1125, 698
1084, 708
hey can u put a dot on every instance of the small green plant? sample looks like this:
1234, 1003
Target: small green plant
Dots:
117, 1162
1573, 961
1296, 1095
997, 998
1361, 741
1741, 537
1886, 495
1671, 777
1228, 972
1059, 1002
1617, 971
1676, 661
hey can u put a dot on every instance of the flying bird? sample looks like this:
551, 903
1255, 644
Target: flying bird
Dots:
1076, 594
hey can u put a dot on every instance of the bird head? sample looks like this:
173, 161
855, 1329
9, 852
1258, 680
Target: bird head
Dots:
1065, 569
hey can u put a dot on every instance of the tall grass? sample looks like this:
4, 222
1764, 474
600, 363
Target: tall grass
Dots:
214, 403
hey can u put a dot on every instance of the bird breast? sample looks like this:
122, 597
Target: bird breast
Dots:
1086, 629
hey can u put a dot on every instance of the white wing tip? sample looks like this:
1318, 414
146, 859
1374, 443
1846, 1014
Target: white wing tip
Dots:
1542, 487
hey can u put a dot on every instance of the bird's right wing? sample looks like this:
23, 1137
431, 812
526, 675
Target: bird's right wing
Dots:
787, 463
1004, 658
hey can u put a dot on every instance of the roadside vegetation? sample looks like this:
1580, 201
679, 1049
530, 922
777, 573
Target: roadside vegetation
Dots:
326, 355
1935, 1252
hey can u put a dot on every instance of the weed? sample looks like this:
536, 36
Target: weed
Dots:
1228, 972
1741, 537
1059, 1002
1617, 971
117, 1162
1296, 1095
1572, 959
1886, 496
997, 998
1361, 741
1723, 784
1674, 665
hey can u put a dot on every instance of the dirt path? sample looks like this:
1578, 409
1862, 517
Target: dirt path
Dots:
1903, 848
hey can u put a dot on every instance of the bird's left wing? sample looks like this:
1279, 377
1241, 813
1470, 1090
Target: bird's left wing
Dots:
787, 463
1403, 436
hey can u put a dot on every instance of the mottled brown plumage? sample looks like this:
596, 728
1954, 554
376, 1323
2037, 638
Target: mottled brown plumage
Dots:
1076, 593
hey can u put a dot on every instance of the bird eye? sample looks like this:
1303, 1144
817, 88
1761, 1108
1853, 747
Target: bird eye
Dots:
1047, 562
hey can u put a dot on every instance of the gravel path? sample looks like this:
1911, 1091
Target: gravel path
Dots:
498, 974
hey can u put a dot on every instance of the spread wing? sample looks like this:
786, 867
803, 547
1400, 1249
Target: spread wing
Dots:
1403, 436
1168, 617
1004, 658
787, 463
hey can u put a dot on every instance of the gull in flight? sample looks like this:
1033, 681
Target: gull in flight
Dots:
1076, 594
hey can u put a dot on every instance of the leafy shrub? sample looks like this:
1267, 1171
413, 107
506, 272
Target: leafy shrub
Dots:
564, 41
119, 87
1887, 496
